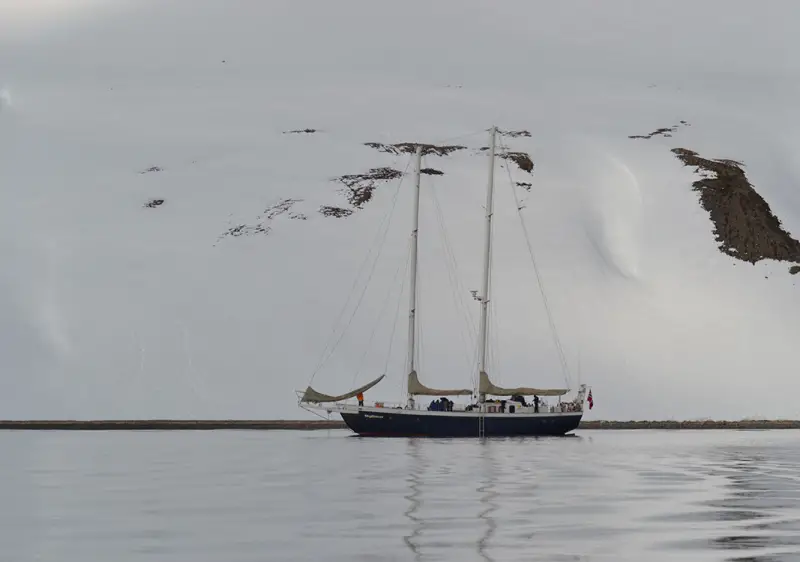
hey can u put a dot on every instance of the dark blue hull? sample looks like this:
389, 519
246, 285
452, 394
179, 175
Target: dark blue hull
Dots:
389, 424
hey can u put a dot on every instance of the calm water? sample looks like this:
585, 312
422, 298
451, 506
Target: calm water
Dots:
232, 496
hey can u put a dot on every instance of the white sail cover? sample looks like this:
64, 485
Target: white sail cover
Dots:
311, 395
488, 387
416, 387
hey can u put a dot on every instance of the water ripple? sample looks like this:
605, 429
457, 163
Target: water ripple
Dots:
243, 496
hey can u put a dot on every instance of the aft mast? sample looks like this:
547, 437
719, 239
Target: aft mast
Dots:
487, 255
412, 312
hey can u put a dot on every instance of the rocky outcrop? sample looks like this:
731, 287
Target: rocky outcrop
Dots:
744, 226
361, 186
521, 159
336, 212
663, 132
411, 147
262, 224
514, 134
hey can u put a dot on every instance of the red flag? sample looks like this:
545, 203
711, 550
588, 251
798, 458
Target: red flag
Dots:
590, 400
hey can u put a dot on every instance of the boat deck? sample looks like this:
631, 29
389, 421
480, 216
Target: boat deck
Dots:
459, 410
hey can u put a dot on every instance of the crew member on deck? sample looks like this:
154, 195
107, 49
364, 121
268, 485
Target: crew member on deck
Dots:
360, 397
535, 404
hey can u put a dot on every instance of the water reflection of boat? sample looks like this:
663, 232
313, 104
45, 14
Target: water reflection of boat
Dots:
413, 497
420, 472
488, 494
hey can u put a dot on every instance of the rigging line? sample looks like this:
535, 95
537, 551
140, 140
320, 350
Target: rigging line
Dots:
466, 135
360, 298
389, 215
419, 339
452, 277
474, 369
469, 340
397, 310
369, 278
448, 247
380, 315
492, 347
454, 293
397, 317
494, 342
557, 341
360, 270
550, 320
336, 325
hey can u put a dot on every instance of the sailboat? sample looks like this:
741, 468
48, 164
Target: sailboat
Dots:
506, 413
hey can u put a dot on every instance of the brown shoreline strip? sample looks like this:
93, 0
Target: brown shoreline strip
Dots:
167, 424
693, 424
170, 424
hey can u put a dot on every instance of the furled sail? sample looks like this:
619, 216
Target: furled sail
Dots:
488, 387
311, 395
416, 387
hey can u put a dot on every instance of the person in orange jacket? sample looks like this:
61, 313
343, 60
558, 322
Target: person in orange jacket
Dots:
360, 397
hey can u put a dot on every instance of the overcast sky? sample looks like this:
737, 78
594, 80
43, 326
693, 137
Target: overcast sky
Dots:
109, 309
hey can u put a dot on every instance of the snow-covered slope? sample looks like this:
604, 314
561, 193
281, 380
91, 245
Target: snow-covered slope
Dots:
112, 308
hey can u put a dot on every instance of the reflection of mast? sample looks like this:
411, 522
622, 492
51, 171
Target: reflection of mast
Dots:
488, 494
414, 481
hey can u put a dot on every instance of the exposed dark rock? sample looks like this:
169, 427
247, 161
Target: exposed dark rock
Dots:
794, 270
152, 169
262, 226
525, 185
246, 229
337, 212
298, 131
361, 186
664, 132
514, 134
298, 217
153, 203
431, 172
744, 225
411, 147
521, 159
279, 208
